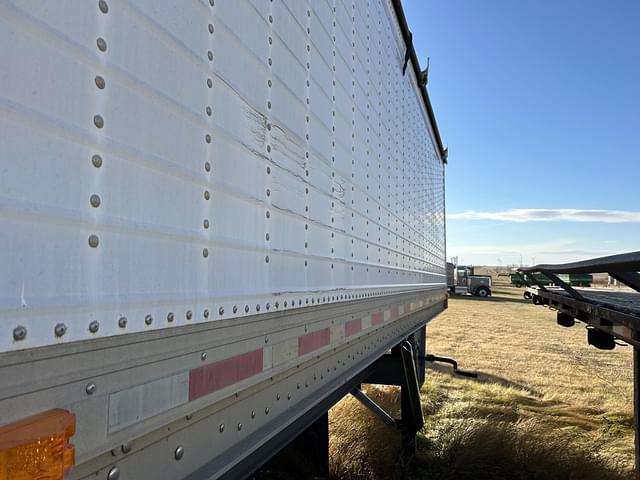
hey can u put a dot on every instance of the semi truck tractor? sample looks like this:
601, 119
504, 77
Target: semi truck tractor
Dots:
462, 280
217, 219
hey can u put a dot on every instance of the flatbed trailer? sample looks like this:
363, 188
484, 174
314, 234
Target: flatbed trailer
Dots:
610, 314
217, 218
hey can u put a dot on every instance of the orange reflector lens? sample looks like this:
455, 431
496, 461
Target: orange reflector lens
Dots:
38, 448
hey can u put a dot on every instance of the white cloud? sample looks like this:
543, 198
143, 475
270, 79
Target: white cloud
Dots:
522, 215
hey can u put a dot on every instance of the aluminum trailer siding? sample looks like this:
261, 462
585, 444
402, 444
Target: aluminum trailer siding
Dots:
215, 217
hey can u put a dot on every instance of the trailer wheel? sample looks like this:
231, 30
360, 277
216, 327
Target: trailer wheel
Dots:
483, 292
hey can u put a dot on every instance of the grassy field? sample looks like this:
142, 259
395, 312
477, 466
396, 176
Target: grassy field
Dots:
545, 406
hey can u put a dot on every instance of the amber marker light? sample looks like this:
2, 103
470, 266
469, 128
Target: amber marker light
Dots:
37, 447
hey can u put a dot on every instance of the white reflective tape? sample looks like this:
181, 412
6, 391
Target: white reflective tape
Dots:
285, 351
337, 333
267, 358
144, 401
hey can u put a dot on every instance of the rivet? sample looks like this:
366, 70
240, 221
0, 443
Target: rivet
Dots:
205, 252
221, 428
170, 317
208, 110
210, 28
267, 237
126, 447
205, 314
102, 5
268, 214
277, 304
239, 426
253, 414
207, 195
98, 121
209, 83
207, 138
221, 311
94, 200
266, 339
90, 388
205, 223
266, 259
266, 411
268, 306
210, 55
268, 192
179, 452
122, 322
114, 474
288, 396
148, 319
60, 329
19, 333
102, 44
100, 83
258, 307
278, 396
203, 356
235, 309
94, 326
96, 160
207, 166
189, 314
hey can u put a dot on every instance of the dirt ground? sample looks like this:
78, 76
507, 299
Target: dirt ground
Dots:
545, 406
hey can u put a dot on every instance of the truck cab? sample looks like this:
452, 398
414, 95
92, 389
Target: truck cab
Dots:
461, 280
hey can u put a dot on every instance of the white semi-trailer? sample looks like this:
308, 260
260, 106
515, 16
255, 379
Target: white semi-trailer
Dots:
215, 218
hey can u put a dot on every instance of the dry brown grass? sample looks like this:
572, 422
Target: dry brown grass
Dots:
545, 406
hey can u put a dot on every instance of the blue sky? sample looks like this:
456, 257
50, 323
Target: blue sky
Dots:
539, 103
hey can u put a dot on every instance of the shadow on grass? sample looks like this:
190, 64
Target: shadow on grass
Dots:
493, 428
482, 449
482, 378
497, 297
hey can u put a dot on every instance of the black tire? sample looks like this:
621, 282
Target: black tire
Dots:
482, 292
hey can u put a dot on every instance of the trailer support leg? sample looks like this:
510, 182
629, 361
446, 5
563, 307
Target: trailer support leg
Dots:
411, 409
636, 408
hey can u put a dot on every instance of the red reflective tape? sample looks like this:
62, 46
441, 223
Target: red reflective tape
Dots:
352, 327
313, 341
377, 318
395, 313
210, 378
